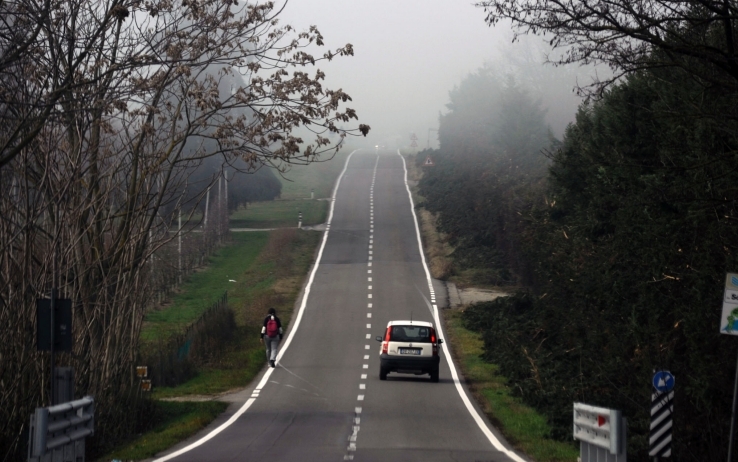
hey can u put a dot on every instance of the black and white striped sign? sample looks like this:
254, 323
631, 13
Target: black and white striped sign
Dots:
662, 406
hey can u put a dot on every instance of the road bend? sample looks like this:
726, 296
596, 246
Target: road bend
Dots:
324, 400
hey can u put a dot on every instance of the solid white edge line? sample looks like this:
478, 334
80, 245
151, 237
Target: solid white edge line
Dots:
475, 415
269, 371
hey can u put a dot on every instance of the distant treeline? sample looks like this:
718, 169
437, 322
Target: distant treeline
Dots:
621, 234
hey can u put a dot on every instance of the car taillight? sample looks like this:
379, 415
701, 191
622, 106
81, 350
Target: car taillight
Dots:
385, 344
433, 342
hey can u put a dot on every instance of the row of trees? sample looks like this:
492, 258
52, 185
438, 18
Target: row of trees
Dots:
106, 108
622, 232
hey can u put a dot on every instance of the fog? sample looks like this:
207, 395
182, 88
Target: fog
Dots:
408, 55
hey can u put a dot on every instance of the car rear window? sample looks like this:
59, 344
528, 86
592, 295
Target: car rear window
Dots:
410, 334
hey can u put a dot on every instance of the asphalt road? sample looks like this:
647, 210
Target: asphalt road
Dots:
324, 401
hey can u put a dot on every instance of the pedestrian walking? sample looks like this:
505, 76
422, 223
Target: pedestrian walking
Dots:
271, 334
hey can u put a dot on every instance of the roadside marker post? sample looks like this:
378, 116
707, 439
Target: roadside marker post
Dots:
662, 406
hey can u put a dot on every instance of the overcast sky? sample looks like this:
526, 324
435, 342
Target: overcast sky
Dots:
408, 55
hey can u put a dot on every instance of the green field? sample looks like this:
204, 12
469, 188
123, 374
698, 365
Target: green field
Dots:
204, 288
280, 214
300, 180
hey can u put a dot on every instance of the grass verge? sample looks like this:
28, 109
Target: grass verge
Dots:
203, 288
172, 422
520, 424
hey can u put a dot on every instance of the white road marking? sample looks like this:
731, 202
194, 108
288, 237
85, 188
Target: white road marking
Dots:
368, 335
369, 305
370, 295
362, 386
293, 329
370, 264
366, 357
368, 315
360, 398
366, 347
474, 414
368, 271
369, 279
365, 366
368, 326
370, 287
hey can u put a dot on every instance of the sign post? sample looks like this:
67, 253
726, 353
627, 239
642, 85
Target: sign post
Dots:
662, 406
729, 326
601, 434
53, 330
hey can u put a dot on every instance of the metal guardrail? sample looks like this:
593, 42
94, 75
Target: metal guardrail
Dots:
60, 428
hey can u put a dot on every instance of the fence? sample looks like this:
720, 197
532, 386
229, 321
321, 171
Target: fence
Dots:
177, 358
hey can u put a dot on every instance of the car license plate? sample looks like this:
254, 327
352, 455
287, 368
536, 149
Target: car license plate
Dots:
409, 351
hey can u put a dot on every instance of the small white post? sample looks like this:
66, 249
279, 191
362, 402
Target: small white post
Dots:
179, 246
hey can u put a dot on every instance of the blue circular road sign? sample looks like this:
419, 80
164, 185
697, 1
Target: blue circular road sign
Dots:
663, 381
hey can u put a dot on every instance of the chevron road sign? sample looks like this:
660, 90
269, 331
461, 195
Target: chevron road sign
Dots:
662, 406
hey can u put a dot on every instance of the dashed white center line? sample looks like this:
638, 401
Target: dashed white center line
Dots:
363, 376
368, 336
368, 315
366, 356
365, 366
370, 287
370, 295
362, 386
369, 279
360, 398
368, 326
366, 347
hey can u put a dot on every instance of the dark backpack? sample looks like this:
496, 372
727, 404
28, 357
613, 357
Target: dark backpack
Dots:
272, 329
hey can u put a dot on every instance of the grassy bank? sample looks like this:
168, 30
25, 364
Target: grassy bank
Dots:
173, 423
520, 424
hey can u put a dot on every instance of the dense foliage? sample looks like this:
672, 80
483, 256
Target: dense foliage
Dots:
626, 247
488, 162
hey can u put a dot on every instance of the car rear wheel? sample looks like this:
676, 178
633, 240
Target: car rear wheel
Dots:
434, 376
383, 373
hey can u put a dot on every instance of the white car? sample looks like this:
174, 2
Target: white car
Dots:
409, 347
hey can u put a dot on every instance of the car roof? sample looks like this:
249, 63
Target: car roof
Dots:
411, 323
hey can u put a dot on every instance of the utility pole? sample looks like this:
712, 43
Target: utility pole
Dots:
430, 130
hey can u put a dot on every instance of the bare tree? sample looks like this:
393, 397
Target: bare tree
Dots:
697, 36
132, 95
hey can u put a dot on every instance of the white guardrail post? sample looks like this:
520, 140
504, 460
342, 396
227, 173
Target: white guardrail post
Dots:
601, 433
59, 432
